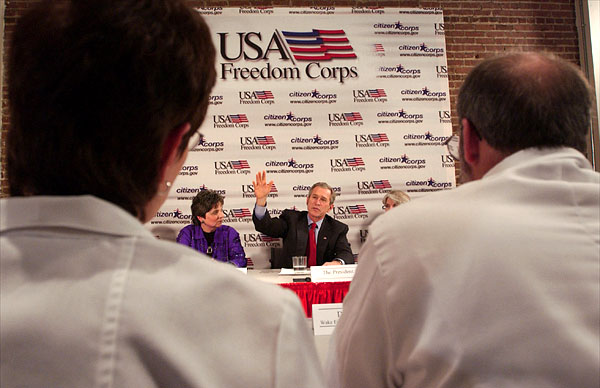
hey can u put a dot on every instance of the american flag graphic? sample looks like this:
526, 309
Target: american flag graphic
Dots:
379, 48
273, 188
264, 94
239, 118
352, 116
240, 164
357, 209
265, 238
241, 212
265, 140
375, 93
379, 137
319, 45
382, 184
355, 162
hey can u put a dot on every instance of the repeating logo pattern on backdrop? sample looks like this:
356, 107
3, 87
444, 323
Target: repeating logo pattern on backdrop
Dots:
310, 99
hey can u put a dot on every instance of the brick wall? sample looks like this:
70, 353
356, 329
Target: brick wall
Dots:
474, 30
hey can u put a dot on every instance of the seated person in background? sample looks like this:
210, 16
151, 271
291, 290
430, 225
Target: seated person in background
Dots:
394, 198
208, 234
327, 237
106, 98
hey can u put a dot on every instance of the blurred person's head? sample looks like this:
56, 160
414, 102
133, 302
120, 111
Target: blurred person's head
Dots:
320, 200
393, 199
104, 96
518, 101
207, 210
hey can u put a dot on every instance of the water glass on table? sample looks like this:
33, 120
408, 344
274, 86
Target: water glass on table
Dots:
299, 263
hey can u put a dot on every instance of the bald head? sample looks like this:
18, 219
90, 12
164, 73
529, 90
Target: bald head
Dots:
527, 100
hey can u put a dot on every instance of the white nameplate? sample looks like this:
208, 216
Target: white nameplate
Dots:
243, 269
325, 316
332, 273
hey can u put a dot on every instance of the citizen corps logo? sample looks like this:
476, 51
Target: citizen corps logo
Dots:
399, 117
398, 71
215, 100
373, 187
237, 215
289, 166
347, 164
402, 162
423, 91
287, 120
312, 97
256, 97
189, 170
208, 146
188, 193
238, 120
427, 185
171, 217
422, 50
301, 191
248, 191
289, 49
249, 143
397, 28
174, 214
209, 10
345, 119
350, 212
372, 140
369, 95
421, 11
314, 143
425, 139
232, 167
258, 240
220, 191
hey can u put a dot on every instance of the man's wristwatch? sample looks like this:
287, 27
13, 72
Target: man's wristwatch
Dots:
340, 260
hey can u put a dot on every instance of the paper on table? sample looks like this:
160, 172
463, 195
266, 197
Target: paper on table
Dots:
290, 271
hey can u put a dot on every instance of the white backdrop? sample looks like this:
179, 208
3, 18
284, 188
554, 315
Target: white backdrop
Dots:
356, 97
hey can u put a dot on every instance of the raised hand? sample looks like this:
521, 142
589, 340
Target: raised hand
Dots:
262, 188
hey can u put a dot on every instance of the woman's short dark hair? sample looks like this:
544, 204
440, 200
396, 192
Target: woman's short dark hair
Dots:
204, 202
527, 100
95, 89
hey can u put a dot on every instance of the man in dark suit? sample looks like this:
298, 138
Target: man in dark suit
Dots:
332, 246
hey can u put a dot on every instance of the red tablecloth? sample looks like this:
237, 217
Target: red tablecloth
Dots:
316, 293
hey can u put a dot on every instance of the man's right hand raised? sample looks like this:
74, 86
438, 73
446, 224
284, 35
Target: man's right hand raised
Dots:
262, 188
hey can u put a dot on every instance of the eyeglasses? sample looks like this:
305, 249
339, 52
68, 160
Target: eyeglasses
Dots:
452, 143
196, 139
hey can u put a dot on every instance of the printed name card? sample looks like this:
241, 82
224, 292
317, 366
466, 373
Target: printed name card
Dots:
332, 273
325, 316
243, 270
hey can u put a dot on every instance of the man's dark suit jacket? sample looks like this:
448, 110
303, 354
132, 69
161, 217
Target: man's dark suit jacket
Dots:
292, 226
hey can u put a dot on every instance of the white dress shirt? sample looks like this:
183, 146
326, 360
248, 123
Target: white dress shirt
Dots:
493, 284
89, 298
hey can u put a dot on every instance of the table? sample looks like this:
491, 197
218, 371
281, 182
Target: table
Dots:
309, 293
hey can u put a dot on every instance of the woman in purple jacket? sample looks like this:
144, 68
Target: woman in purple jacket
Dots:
208, 234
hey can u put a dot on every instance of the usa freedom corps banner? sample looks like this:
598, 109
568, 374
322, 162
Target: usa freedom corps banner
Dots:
356, 97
